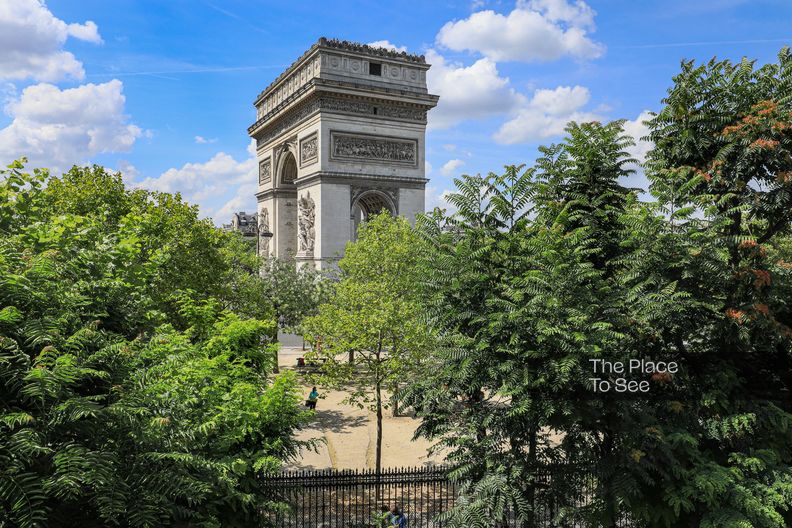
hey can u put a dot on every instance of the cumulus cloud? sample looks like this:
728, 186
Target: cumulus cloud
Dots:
436, 197
637, 129
58, 128
202, 140
546, 114
451, 166
129, 172
467, 92
221, 177
387, 45
32, 40
536, 30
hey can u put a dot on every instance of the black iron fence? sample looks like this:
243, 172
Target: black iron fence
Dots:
356, 499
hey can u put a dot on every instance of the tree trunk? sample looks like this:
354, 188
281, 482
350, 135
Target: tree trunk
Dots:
378, 453
532, 457
609, 497
378, 462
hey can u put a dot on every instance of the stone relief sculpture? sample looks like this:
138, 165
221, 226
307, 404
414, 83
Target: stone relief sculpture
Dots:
309, 149
359, 147
263, 227
306, 223
265, 171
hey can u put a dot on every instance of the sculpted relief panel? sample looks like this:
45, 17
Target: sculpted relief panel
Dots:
263, 227
374, 148
265, 171
309, 149
306, 223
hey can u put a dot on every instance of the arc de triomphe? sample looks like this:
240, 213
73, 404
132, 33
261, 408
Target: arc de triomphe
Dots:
340, 135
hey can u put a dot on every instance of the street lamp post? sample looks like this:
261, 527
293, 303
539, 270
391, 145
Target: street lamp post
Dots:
262, 231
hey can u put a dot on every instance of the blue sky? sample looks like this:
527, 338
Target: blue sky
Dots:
163, 90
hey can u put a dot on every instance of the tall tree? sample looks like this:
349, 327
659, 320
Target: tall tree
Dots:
293, 293
720, 169
128, 394
373, 318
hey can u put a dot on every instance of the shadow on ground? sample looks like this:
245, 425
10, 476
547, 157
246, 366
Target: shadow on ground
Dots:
337, 421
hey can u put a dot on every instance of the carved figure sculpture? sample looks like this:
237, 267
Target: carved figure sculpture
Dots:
306, 222
263, 227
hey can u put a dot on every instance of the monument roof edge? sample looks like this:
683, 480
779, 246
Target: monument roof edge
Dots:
341, 45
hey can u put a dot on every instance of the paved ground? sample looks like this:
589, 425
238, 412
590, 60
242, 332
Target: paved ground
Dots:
350, 433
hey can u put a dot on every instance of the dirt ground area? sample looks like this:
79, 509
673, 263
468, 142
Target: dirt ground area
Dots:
350, 433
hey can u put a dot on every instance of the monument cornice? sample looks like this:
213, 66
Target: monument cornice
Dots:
268, 193
346, 47
316, 88
356, 178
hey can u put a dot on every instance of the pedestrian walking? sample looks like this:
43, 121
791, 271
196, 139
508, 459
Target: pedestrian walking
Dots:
313, 397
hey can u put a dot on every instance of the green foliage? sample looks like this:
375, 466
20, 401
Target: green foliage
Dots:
294, 293
541, 270
373, 317
722, 455
130, 394
519, 285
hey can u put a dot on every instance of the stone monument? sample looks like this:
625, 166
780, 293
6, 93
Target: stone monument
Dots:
340, 135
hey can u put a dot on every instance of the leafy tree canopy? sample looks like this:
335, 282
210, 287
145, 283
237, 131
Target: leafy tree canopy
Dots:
135, 384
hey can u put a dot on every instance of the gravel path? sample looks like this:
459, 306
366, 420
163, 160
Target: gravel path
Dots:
350, 433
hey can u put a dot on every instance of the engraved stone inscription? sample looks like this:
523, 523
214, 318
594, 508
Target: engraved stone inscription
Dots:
374, 148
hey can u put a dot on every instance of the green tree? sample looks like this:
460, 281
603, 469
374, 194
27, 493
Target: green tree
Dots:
129, 394
720, 169
293, 293
522, 289
373, 317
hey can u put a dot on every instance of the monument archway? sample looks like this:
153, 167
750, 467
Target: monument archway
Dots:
288, 172
340, 136
367, 204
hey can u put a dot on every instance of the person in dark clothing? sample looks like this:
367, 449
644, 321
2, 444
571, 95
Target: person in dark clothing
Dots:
396, 517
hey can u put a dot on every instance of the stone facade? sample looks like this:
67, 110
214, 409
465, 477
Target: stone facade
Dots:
340, 135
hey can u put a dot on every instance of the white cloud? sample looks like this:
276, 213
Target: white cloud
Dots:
427, 168
546, 114
467, 92
205, 183
129, 172
243, 200
537, 30
451, 166
202, 140
88, 32
577, 14
436, 197
58, 128
637, 129
387, 45
32, 40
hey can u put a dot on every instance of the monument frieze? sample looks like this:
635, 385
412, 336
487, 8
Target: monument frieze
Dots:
373, 148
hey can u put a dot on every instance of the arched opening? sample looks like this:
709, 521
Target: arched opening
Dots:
367, 204
289, 169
